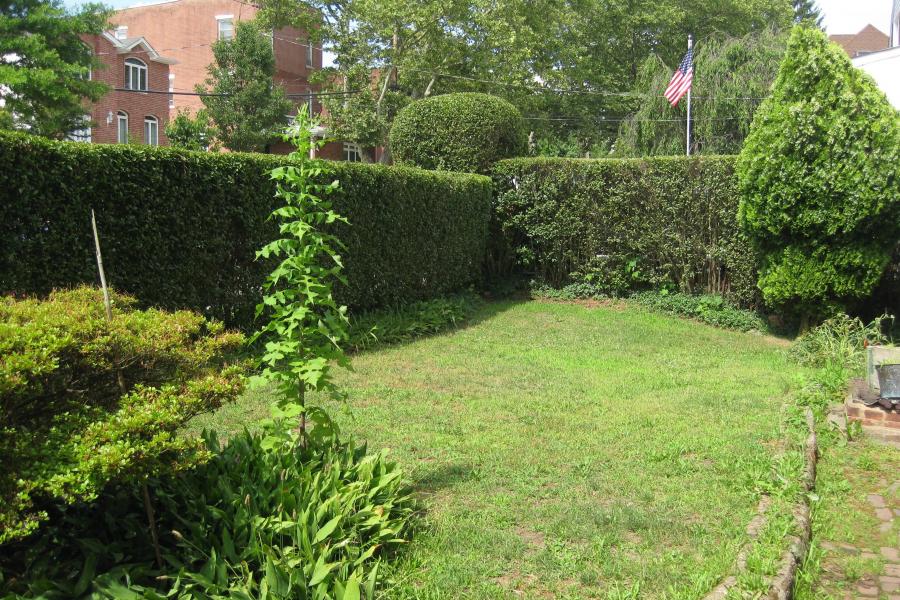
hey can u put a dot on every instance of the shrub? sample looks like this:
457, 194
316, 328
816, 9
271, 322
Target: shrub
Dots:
713, 310
840, 341
619, 225
457, 132
180, 229
252, 522
820, 180
407, 322
66, 426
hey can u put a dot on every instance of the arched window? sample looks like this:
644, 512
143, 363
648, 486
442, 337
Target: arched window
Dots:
122, 121
135, 75
151, 131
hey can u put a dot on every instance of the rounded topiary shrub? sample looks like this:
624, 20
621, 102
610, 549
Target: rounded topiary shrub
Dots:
457, 132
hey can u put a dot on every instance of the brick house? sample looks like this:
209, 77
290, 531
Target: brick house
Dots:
131, 111
186, 30
868, 39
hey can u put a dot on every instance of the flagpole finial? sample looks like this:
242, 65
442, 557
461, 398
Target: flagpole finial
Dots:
690, 41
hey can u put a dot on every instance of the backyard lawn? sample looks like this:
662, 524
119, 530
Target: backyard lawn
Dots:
569, 451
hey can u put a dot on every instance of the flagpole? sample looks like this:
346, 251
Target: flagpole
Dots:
690, 46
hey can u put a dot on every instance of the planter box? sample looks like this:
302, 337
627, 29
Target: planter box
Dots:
875, 355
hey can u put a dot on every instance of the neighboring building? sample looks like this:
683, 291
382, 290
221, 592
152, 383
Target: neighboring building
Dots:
130, 111
186, 30
895, 24
884, 67
868, 39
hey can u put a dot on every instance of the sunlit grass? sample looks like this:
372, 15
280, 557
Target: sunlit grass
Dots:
562, 451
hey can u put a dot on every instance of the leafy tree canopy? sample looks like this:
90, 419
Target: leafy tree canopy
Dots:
731, 78
245, 104
191, 133
45, 65
820, 180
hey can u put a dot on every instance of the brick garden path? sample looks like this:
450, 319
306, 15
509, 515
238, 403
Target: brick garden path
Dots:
887, 584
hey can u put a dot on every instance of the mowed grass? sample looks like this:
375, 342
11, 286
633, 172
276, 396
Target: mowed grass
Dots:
564, 451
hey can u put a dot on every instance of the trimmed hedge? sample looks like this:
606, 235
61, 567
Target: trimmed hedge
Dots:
465, 132
180, 229
625, 224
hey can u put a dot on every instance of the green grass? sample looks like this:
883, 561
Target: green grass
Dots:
565, 451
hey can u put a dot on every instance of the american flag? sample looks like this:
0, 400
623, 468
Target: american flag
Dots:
681, 80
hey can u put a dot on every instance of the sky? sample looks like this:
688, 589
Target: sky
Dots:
849, 16
841, 16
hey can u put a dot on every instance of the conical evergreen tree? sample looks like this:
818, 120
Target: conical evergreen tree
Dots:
808, 12
820, 180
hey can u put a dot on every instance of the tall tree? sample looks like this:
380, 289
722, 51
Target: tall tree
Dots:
820, 180
807, 11
732, 76
44, 65
244, 102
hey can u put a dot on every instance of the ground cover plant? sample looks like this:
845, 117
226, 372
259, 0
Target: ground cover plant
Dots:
570, 452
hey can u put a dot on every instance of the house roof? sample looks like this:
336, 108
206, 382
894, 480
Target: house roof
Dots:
868, 39
129, 44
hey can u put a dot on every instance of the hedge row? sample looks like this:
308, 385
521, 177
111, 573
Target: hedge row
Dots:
180, 229
625, 224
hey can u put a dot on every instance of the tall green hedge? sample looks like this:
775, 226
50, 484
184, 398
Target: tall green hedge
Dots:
465, 132
179, 229
625, 223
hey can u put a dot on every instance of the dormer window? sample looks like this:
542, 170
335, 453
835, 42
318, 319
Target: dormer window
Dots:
135, 75
122, 32
226, 26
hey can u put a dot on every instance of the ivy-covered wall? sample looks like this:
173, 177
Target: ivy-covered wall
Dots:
180, 229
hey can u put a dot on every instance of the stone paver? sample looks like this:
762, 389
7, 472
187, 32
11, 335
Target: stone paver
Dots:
887, 583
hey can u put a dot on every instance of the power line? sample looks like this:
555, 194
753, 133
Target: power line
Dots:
207, 94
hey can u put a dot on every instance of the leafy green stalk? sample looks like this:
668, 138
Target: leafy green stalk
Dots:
304, 325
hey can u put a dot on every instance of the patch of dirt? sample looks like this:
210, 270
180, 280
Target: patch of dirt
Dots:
534, 539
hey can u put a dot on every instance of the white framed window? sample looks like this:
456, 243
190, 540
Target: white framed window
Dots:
122, 32
352, 152
122, 124
309, 53
83, 133
171, 90
135, 74
151, 131
225, 24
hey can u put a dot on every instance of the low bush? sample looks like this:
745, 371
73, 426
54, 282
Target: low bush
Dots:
84, 402
840, 341
252, 522
465, 132
622, 225
408, 322
180, 229
707, 308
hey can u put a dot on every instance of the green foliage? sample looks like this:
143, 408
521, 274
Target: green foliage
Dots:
840, 341
44, 64
710, 309
620, 225
808, 12
457, 132
253, 522
191, 132
180, 229
733, 75
820, 180
247, 107
66, 426
410, 321
304, 326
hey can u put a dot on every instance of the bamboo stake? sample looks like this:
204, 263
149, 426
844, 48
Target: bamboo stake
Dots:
107, 304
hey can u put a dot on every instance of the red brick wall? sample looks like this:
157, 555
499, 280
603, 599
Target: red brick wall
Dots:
185, 30
137, 104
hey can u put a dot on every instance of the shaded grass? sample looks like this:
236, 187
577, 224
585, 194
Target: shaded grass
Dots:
563, 451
